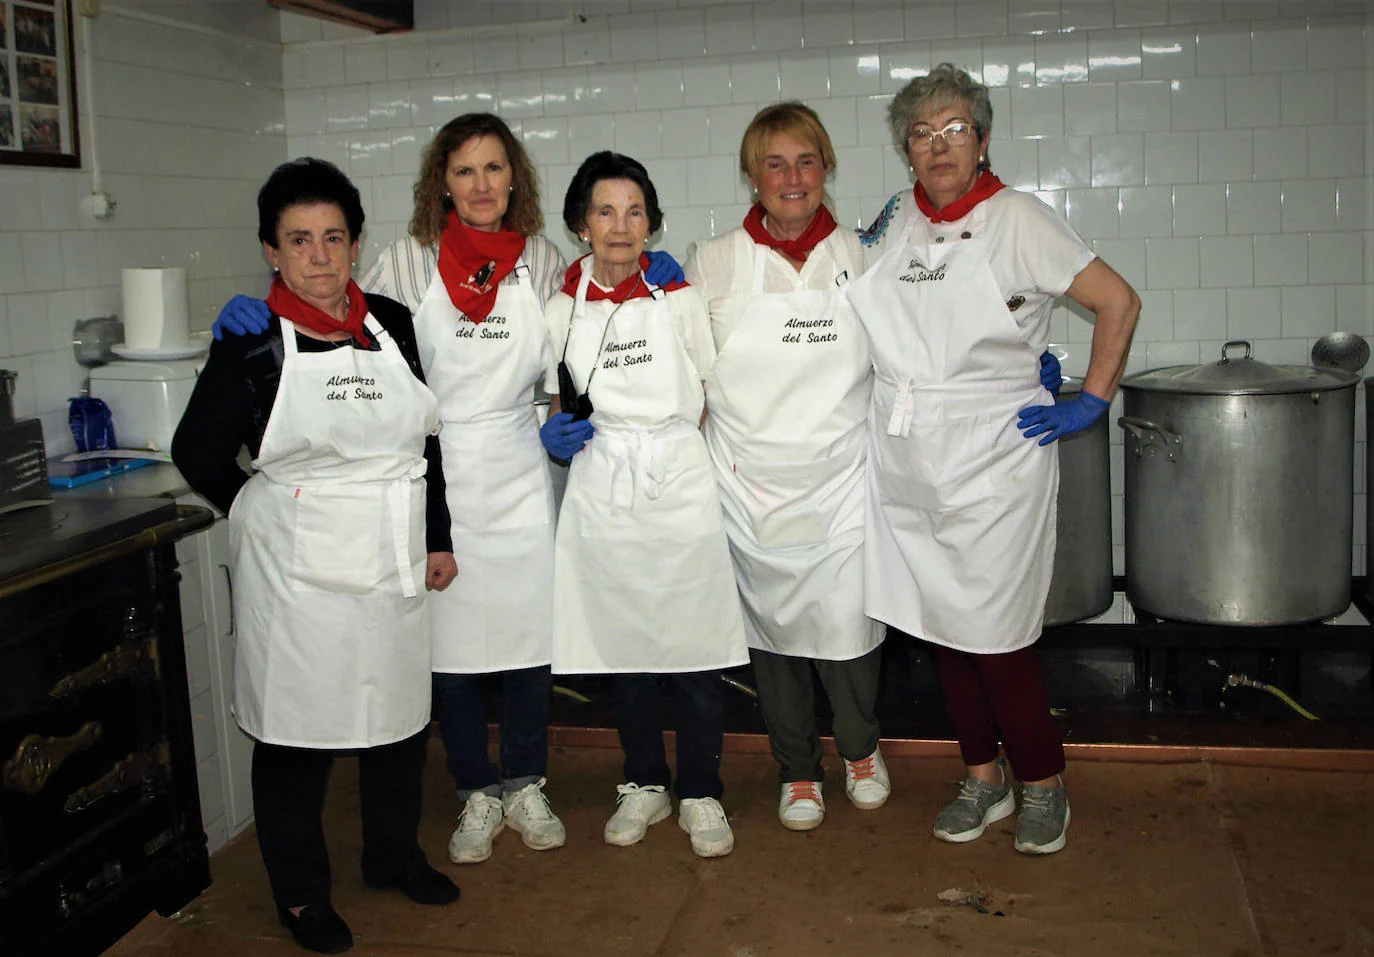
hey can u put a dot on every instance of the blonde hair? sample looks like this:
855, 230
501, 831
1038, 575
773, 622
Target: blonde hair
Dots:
793, 118
431, 194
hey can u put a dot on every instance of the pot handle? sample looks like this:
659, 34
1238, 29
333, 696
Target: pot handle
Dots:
1235, 342
1145, 431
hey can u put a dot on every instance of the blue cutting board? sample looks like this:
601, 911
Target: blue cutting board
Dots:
72, 474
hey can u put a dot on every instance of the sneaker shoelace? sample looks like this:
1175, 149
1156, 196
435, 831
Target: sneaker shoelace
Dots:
973, 790
802, 791
1041, 799
536, 805
624, 791
709, 814
862, 769
468, 821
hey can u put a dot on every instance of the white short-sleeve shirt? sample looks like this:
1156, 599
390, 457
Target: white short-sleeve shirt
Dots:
405, 269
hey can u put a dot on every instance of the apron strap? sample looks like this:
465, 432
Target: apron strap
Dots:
398, 497
903, 407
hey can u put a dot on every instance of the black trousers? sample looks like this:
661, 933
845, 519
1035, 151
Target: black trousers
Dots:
288, 801
700, 725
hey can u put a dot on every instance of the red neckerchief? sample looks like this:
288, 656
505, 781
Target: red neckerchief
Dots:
985, 186
473, 263
822, 225
285, 303
634, 287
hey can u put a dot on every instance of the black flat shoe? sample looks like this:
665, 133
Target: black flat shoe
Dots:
422, 884
318, 927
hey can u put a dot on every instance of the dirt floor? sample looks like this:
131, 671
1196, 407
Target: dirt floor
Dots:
1191, 859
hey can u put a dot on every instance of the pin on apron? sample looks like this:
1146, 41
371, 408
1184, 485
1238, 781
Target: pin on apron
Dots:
788, 397
328, 540
642, 575
497, 614
960, 531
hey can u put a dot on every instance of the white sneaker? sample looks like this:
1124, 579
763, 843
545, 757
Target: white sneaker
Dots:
866, 782
478, 825
801, 807
638, 808
529, 815
704, 821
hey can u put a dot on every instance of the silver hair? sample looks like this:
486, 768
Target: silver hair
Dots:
943, 85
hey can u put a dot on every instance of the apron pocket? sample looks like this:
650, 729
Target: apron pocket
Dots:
942, 465
338, 542
793, 504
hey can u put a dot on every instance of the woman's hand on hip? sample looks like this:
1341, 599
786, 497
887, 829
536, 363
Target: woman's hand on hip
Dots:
440, 571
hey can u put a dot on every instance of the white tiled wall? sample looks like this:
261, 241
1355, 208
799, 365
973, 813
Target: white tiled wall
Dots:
188, 119
1218, 155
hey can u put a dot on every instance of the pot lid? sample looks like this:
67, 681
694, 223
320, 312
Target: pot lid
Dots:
1237, 373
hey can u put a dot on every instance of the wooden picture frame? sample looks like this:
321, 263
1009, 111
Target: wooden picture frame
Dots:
38, 115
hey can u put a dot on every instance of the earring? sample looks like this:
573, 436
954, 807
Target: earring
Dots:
447, 195
510, 189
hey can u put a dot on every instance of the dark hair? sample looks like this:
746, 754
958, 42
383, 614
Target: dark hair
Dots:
608, 165
431, 195
302, 181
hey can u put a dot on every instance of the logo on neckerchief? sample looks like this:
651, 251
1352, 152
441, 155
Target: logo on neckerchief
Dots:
482, 276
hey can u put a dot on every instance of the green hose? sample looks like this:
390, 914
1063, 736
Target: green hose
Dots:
1244, 681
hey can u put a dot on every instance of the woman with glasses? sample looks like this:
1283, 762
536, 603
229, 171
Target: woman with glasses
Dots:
963, 473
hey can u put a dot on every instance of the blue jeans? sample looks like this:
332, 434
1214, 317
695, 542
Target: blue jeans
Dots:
459, 704
700, 725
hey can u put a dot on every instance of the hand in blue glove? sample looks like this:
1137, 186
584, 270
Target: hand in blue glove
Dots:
1051, 375
563, 437
242, 316
663, 269
1061, 419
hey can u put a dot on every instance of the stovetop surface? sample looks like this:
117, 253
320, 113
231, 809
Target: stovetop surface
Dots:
33, 537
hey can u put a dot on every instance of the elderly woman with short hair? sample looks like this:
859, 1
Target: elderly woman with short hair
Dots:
643, 589
960, 533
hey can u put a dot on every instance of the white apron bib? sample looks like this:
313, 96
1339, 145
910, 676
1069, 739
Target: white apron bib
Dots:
328, 539
642, 576
960, 532
788, 396
497, 614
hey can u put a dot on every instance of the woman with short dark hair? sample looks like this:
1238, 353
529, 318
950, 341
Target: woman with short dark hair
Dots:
334, 541
643, 588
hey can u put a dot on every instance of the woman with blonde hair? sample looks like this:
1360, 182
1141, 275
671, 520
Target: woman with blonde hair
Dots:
788, 398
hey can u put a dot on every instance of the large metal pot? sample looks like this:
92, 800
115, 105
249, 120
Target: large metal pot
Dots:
1239, 505
1082, 583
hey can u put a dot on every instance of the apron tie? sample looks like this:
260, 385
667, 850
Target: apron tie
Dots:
398, 496
645, 470
903, 407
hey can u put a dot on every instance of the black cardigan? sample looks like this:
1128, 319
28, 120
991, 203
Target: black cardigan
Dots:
233, 399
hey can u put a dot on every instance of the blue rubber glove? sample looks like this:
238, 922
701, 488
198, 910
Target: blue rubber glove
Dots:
663, 269
242, 316
1051, 375
1061, 419
563, 437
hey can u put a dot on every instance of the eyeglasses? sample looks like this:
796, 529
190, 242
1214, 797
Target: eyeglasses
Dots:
923, 140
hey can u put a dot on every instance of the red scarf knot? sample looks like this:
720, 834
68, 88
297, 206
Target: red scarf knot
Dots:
634, 287
986, 185
822, 225
285, 303
472, 264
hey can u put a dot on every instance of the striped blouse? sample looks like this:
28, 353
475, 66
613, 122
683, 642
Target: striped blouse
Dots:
405, 270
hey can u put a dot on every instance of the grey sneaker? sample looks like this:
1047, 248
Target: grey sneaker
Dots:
1044, 819
978, 805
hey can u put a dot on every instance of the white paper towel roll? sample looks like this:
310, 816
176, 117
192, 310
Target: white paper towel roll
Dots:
157, 308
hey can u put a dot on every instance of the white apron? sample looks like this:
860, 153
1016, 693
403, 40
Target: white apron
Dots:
960, 532
642, 576
788, 397
328, 543
497, 614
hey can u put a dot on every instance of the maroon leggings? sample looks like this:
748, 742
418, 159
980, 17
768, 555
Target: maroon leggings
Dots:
992, 697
